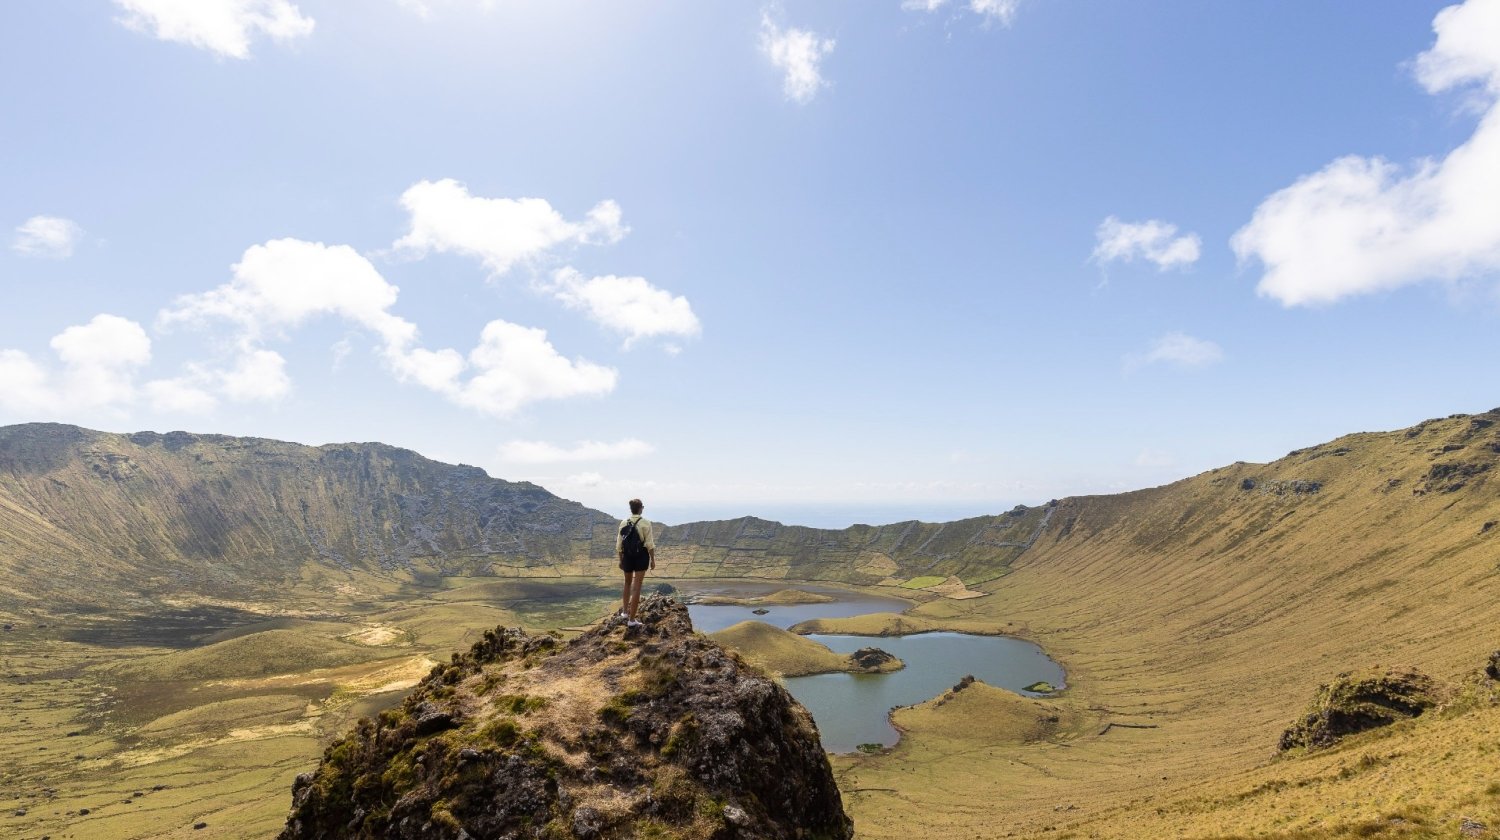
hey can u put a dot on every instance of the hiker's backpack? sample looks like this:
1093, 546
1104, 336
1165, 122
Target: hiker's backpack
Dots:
631, 544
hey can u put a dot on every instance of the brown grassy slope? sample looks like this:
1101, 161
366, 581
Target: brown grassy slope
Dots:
1211, 609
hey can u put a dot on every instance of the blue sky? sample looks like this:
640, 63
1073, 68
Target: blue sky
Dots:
826, 262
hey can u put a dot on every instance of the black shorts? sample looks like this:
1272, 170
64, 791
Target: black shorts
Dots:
639, 565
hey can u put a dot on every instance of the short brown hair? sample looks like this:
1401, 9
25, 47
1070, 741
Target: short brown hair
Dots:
635, 506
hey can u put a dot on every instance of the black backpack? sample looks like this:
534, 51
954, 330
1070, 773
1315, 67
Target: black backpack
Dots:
631, 544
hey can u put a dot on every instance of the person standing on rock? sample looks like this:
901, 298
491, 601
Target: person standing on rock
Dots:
636, 547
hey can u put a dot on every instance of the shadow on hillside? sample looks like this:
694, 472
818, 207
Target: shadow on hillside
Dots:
177, 628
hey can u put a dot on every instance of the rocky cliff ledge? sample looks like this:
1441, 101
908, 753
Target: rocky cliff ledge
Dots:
650, 732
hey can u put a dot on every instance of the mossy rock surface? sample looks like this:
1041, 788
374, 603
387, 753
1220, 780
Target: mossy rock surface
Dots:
1360, 701
652, 731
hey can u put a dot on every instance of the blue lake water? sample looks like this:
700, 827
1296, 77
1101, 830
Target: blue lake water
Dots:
853, 709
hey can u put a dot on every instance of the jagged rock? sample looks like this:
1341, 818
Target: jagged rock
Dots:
1355, 703
657, 733
760, 611
1492, 670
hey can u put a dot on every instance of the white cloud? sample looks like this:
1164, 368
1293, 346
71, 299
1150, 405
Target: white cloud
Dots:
997, 11
1153, 240
500, 231
286, 282
50, 237
221, 26
923, 5
257, 376
797, 53
181, 395
515, 365
99, 361
542, 452
1363, 225
1179, 350
586, 479
627, 305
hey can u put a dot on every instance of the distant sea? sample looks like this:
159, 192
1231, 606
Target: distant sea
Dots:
831, 516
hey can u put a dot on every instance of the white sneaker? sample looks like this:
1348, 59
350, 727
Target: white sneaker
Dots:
621, 614
632, 623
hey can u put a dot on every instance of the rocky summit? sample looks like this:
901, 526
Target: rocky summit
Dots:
624, 732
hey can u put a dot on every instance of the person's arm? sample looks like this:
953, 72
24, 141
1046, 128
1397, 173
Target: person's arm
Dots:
619, 542
650, 540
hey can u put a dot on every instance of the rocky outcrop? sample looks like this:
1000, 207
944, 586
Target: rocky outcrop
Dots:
1356, 702
874, 660
623, 732
1492, 668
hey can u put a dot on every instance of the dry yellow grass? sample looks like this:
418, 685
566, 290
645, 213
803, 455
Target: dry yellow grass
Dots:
1194, 620
1211, 609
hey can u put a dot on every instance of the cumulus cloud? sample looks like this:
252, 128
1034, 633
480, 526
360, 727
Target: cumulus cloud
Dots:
1178, 350
798, 53
283, 283
501, 232
99, 361
630, 306
48, 237
1363, 225
542, 452
512, 366
224, 27
1153, 240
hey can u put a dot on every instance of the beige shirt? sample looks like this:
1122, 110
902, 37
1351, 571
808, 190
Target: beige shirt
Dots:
642, 527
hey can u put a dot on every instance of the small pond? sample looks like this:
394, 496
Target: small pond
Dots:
853, 709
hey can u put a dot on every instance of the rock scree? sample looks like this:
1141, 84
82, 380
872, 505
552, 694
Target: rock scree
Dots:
1355, 702
653, 731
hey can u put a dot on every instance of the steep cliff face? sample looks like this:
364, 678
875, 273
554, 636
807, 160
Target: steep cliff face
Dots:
213, 513
650, 732
220, 515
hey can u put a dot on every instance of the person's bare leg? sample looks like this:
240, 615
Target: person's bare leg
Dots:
625, 594
635, 593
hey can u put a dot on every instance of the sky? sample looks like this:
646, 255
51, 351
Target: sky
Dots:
833, 262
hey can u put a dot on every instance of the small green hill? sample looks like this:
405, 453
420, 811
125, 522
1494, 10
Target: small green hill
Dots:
261, 654
788, 654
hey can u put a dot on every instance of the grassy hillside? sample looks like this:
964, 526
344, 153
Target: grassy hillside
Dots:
245, 517
1196, 620
1209, 611
86, 517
